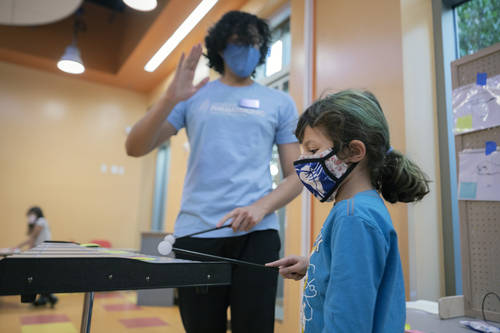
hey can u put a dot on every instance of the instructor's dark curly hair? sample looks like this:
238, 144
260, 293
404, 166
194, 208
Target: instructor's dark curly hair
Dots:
250, 30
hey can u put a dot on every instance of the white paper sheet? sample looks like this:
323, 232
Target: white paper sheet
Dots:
476, 107
479, 175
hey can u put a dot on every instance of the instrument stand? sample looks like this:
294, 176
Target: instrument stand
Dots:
88, 302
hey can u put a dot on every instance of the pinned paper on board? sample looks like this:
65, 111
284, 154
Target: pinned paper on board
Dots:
477, 106
479, 175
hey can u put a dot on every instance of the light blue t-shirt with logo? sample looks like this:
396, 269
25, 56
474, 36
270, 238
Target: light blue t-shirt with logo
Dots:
231, 132
355, 281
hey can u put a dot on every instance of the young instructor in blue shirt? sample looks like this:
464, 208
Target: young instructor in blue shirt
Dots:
232, 124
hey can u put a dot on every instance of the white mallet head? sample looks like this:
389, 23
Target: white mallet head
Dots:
170, 238
165, 248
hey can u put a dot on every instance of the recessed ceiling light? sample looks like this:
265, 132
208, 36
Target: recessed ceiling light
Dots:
142, 5
189, 23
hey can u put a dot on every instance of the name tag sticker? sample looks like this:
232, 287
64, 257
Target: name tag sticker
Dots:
249, 103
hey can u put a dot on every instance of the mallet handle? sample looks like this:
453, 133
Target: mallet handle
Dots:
233, 261
204, 231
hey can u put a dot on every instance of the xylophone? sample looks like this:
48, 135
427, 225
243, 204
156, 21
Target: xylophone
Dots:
63, 267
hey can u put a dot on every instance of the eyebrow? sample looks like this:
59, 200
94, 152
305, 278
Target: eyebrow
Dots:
307, 143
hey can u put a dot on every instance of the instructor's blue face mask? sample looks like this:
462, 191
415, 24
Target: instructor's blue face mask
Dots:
322, 173
241, 59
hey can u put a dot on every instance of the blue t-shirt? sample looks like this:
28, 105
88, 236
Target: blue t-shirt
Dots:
231, 132
355, 280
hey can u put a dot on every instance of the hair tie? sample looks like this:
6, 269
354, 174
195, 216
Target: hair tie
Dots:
390, 150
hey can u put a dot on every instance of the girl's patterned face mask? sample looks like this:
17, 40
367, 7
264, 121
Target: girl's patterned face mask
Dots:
322, 173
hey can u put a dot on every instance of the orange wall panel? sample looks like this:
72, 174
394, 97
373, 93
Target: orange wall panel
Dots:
359, 45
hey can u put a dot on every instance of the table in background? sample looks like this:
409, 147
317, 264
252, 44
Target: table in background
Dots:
430, 323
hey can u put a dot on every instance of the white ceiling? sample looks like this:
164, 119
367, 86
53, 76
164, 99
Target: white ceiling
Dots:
36, 12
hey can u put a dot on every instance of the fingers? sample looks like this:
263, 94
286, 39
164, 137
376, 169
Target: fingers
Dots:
291, 267
238, 217
287, 261
181, 62
294, 269
194, 57
224, 219
247, 222
243, 219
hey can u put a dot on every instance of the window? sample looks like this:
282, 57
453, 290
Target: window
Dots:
160, 189
278, 58
477, 24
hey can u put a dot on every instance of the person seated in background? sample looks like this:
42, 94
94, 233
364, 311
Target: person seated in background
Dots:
38, 229
38, 232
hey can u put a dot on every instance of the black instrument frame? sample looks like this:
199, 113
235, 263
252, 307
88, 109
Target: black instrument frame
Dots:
67, 275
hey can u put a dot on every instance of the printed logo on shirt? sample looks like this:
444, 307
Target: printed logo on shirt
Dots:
232, 109
310, 290
317, 243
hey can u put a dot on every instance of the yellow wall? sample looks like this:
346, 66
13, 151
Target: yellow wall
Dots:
55, 133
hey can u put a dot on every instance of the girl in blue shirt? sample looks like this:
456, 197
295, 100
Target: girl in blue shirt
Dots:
354, 277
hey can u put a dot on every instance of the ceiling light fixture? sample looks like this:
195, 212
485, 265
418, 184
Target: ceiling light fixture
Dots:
71, 62
142, 5
185, 28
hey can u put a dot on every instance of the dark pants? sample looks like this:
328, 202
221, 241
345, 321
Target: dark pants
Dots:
252, 293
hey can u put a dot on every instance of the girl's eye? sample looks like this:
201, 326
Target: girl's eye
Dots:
313, 151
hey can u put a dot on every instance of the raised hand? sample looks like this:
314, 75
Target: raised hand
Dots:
182, 86
291, 267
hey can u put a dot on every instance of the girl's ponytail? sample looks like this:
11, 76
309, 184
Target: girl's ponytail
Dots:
399, 179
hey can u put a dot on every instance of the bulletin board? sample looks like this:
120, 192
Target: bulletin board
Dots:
479, 220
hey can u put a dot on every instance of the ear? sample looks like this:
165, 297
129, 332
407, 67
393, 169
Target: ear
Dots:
357, 151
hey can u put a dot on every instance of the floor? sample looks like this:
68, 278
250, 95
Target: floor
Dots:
113, 312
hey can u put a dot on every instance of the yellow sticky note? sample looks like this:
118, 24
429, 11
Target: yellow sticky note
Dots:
464, 123
407, 327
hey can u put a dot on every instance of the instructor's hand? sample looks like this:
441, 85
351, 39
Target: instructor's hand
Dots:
244, 218
291, 267
182, 86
